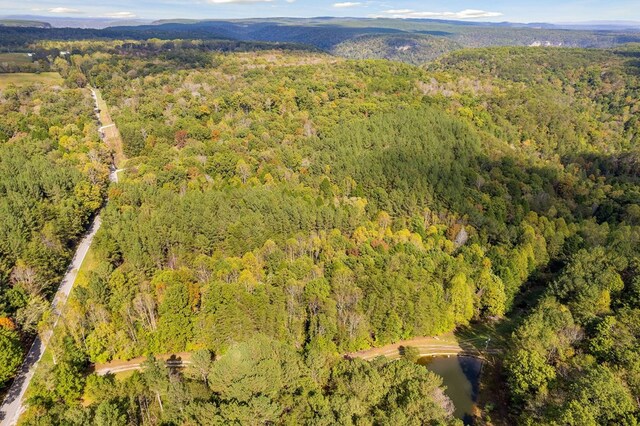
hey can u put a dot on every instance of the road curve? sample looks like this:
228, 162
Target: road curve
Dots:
427, 346
12, 407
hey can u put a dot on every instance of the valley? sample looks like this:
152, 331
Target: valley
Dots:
280, 219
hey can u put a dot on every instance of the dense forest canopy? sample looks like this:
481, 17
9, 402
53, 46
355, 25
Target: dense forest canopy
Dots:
280, 207
573, 357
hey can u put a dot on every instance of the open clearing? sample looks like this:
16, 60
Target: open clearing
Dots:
111, 134
24, 78
16, 58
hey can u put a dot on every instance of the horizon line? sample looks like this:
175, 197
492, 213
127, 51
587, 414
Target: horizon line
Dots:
372, 18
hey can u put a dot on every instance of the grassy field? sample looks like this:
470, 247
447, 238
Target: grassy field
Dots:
16, 58
112, 135
89, 264
23, 78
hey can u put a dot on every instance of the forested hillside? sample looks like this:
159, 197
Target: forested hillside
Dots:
573, 359
409, 40
327, 33
281, 207
413, 49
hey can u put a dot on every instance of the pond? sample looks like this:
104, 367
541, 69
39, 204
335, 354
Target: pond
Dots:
461, 376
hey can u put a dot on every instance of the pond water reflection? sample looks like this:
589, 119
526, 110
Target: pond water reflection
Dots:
461, 376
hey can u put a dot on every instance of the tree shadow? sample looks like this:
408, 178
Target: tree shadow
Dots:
13, 393
471, 368
174, 363
435, 33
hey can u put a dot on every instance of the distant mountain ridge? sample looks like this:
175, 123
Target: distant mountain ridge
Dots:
586, 25
328, 33
104, 22
74, 22
408, 40
23, 23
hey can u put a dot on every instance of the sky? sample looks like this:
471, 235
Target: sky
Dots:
487, 10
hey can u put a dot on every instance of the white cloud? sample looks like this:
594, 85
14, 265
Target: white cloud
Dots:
463, 14
399, 11
347, 4
120, 15
238, 1
63, 10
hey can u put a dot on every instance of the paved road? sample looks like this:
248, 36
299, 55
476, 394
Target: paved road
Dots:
12, 407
